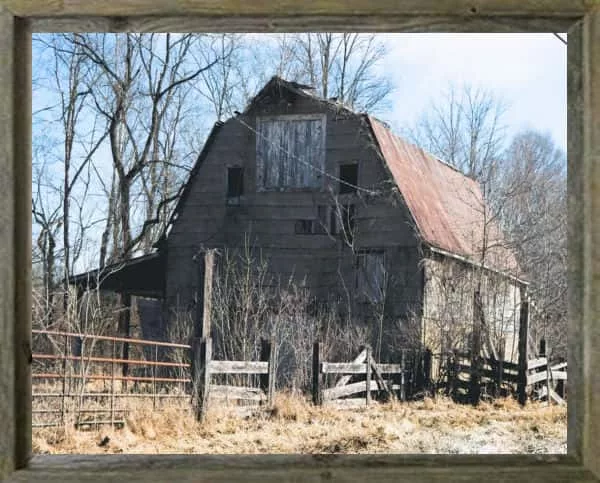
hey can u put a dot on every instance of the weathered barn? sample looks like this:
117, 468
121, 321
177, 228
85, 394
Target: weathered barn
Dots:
334, 201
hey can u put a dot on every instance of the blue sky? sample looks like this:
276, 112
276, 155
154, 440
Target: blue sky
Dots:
527, 70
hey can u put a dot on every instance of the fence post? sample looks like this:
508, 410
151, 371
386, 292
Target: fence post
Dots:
154, 377
403, 376
476, 361
201, 357
272, 369
64, 380
125, 331
112, 383
368, 375
316, 375
523, 346
427, 369
548, 377
267, 381
452, 373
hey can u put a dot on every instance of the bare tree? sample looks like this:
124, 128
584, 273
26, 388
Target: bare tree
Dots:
464, 129
139, 91
534, 219
341, 66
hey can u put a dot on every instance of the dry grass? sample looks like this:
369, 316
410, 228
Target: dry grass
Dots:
293, 425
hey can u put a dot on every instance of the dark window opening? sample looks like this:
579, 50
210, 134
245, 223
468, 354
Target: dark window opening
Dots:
304, 227
348, 178
235, 182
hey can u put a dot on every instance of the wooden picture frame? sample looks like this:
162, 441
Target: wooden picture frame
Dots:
580, 18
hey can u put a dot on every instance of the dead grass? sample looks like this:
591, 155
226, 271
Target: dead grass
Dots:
294, 425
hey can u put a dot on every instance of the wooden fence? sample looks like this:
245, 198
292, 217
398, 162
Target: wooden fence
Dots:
204, 368
90, 387
535, 380
385, 380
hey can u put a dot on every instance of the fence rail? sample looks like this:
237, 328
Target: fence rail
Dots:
395, 384
204, 368
520, 379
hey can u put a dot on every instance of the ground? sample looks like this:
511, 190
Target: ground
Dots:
295, 426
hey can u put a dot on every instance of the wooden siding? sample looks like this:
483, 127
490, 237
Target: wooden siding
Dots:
290, 152
449, 289
266, 220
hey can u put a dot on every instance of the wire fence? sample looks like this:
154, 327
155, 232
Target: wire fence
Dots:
88, 380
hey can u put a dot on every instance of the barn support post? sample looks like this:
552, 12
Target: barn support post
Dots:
476, 361
523, 347
201, 357
316, 375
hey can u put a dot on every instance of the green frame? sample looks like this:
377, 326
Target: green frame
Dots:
580, 18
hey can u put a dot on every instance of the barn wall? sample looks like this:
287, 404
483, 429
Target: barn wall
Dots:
449, 300
266, 220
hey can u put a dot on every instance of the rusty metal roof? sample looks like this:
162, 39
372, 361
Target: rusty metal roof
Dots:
448, 207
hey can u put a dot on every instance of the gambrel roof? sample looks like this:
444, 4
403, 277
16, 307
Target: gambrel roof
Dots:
448, 208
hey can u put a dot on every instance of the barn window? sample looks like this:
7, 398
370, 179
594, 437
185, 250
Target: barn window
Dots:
290, 152
304, 227
348, 175
235, 182
370, 276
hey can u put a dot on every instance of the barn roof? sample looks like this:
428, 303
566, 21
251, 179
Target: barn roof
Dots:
448, 207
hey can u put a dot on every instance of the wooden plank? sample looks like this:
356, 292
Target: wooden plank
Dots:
201, 375
22, 225
343, 368
559, 375
381, 383
356, 387
558, 367
555, 397
239, 367
331, 23
535, 363
207, 297
368, 379
317, 391
535, 378
579, 166
360, 358
236, 392
293, 468
291, 8
523, 346
8, 350
272, 356
490, 373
